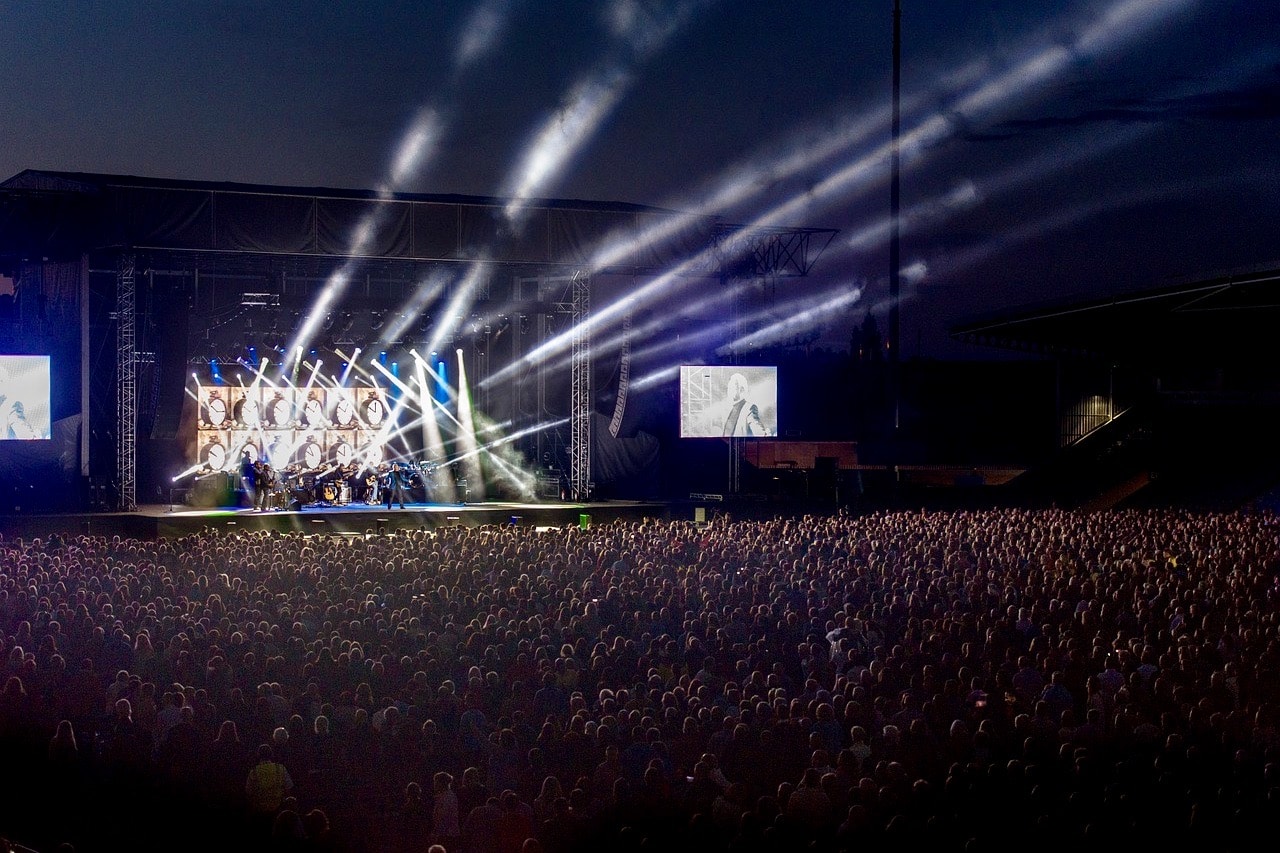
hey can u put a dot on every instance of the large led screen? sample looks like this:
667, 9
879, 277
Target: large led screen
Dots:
24, 397
719, 401
308, 428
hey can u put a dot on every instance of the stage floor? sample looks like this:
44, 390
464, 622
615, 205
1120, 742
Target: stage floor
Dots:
155, 520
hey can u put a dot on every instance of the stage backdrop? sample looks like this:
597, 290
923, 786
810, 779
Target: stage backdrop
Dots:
311, 428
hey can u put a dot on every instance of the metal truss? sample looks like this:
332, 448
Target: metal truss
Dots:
770, 251
580, 391
126, 383
767, 254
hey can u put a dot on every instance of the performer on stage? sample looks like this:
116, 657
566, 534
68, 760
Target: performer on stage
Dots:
395, 485
348, 482
262, 475
248, 473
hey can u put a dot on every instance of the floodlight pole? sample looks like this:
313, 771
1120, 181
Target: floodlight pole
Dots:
894, 205
735, 443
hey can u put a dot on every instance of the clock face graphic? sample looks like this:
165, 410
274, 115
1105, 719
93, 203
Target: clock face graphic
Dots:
216, 408
313, 412
215, 456
278, 452
344, 413
248, 413
375, 411
342, 454
312, 455
281, 412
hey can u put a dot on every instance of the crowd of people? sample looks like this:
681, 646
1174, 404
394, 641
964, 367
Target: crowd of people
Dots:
970, 681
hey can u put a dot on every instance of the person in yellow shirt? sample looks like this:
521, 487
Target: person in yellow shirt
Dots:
267, 784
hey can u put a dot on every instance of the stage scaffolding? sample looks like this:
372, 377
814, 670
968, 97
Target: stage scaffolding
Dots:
126, 383
766, 254
277, 247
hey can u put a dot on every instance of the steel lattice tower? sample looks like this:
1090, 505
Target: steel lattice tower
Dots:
126, 383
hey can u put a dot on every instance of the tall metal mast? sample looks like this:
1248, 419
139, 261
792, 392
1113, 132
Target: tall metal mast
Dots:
895, 330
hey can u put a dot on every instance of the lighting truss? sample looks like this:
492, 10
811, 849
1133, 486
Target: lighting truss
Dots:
771, 251
126, 382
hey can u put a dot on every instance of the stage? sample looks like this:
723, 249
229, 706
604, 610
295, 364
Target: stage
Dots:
174, 520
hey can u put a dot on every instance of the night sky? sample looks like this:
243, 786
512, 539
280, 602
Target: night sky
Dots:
1052, 150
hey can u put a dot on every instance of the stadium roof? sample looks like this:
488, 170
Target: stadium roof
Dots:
1220, 321
89, 182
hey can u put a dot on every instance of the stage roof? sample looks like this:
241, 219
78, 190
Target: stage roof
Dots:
66, 214
1221, 321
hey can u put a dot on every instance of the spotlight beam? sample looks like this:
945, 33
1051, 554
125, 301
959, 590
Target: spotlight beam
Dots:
796, 322
184, 474
416, 148
1123, 20
638, 35
466, 432
481, 34
423, 295
1082, 147
459, 304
